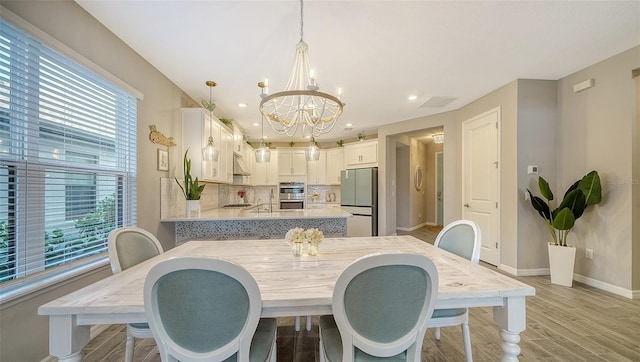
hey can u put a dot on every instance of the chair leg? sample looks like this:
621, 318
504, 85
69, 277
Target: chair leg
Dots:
308, 323
466, 339
129, 346
297, 323
437, 333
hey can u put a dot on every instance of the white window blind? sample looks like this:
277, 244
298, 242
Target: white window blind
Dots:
67, 158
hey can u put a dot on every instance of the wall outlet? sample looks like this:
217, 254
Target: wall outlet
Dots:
588, 253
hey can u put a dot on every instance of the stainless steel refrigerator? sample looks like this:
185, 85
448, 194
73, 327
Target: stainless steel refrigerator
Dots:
359, 196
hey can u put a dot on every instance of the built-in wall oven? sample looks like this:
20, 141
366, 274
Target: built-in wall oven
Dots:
292, 195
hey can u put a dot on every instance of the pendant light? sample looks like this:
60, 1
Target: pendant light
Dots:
263, 154
312, 153
210, 153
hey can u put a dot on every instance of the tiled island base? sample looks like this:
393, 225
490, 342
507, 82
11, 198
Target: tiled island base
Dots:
256, 229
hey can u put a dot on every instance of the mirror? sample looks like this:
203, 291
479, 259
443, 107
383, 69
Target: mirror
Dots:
418, 178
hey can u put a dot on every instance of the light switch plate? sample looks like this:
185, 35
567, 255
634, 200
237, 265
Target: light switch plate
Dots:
532, 169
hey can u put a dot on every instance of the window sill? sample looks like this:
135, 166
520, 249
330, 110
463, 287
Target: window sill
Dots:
23, 289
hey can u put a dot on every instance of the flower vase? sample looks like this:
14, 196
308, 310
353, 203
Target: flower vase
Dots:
314, 248
298, 249
192, 208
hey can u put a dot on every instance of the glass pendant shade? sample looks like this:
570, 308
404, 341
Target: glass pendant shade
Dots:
438, 138
312, 153
263, 154
210, 153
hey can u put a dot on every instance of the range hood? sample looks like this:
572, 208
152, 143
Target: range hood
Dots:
239, 167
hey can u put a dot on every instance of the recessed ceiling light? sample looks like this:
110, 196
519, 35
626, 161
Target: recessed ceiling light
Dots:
242, 105
413, 97
348, 125
256, 124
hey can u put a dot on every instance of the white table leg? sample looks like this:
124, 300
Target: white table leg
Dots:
67, 338
512, 319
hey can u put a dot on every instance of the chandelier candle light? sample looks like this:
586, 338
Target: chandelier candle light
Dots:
301, 102
210, 152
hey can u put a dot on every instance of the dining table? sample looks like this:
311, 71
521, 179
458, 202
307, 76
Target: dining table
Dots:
290, 286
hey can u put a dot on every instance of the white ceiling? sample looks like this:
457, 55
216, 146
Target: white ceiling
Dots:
378, 52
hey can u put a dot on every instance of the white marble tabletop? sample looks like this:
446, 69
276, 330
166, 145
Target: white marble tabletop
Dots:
244, 214
292, 285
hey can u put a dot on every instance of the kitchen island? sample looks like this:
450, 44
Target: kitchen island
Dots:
257, 223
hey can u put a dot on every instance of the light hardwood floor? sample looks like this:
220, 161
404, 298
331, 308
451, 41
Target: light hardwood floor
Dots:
563, 324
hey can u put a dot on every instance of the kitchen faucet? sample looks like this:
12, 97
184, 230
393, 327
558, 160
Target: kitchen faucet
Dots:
271, 197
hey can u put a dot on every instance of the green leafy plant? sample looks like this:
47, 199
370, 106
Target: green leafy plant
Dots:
227, 121
362, 136
209, 106
583, 193
291, 144
340, 143
192, 190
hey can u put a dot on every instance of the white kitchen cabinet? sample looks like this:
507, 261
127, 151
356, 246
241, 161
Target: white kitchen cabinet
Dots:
238, 139
226, 155
292, 162
317, 170
361, 154
266, 174
196, 128
335, 164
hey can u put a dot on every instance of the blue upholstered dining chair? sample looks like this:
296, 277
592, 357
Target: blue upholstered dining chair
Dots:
463, 238
127, 247
381, 306
206, 309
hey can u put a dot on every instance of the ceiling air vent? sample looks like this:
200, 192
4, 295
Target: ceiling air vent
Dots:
437, 102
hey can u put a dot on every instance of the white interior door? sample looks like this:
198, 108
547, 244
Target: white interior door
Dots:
480, 172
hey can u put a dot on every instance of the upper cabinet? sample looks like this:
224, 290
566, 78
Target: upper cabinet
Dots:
238, 140
292, 162
196, 129
317, 170
361, 154
335, 164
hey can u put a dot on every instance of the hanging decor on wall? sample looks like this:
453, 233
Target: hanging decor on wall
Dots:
156, 136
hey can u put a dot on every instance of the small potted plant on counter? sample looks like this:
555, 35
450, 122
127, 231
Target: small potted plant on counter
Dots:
192, 190
584, 192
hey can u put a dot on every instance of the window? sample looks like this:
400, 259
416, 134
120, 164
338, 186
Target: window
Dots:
67, 158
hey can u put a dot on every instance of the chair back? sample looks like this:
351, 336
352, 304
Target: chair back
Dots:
382, 303
462, 238
202, 308
129, 246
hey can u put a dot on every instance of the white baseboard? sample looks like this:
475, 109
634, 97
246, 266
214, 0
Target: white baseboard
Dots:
627, 293
523, 272
411, 228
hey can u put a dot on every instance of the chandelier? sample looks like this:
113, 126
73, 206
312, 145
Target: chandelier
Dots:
301, 103
438, 138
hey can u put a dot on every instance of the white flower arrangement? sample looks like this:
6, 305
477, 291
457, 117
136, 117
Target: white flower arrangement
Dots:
296, 235
314, 236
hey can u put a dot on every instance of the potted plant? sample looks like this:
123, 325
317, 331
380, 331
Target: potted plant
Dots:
192, 190
583, 193
361, 136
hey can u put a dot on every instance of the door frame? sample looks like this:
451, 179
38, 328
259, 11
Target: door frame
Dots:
436, 188
498, 194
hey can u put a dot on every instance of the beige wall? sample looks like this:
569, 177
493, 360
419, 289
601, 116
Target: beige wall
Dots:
596, 132
430, 181
536, 145
635, 240
71, 25
403, 215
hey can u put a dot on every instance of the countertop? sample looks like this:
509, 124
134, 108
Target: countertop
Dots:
243, 214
